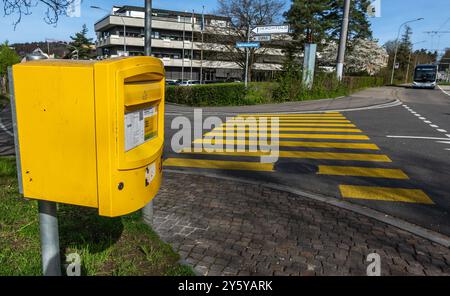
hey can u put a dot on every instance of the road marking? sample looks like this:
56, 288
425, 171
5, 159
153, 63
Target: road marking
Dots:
442, 130
427, 121
423, 118
362, 172
3, 127
219, 164
247, 143
385, 194
448, 135
298, 121
290, 115
289, 129
424, 138
418, 115
305, 155
296, 136
443, 142
228, 124
433, 125
445, 92
297, 118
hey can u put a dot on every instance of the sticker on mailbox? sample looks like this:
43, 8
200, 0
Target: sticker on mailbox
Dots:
140, 126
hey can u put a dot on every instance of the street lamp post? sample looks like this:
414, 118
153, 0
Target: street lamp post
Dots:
396, 46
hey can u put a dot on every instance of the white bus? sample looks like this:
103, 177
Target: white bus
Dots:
425, 76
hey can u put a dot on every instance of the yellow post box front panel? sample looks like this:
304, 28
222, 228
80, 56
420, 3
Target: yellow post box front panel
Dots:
91, 133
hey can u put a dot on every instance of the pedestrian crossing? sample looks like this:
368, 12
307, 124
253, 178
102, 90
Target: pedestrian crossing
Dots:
241, 142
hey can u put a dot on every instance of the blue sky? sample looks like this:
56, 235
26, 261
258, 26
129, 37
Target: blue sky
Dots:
393, 13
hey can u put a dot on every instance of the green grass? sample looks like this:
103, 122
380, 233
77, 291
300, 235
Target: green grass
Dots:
107, 246
444, 83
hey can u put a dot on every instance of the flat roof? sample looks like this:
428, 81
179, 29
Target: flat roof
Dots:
165, 11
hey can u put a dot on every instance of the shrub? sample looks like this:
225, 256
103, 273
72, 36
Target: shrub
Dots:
207, 95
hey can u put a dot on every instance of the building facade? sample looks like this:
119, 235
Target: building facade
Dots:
187, 46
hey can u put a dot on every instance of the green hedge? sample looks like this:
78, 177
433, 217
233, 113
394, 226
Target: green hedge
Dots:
287, 88
223, 94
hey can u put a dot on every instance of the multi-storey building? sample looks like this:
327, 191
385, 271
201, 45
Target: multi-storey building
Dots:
185, 45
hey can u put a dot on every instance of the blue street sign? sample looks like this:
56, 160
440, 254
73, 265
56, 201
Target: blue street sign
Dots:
248, 44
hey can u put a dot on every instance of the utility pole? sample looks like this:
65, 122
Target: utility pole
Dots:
148, 28
343, 41
147, 211
247, 52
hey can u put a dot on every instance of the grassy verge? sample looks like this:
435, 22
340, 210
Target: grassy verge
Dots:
107, 246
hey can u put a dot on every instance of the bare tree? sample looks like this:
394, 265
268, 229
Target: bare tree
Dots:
55, 8
242, 16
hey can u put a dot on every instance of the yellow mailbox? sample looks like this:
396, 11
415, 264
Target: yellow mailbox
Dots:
90, 133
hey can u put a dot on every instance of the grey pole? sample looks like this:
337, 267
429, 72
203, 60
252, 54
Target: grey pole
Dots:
396, 47
343, 41
147, 211
192, 42
247, 57
48, 224
148, 28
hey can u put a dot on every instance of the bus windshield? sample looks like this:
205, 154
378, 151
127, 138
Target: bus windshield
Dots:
425, 74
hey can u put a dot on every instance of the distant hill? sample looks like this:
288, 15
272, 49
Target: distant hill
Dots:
59, 50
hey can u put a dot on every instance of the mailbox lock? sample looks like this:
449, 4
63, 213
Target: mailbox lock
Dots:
120, 186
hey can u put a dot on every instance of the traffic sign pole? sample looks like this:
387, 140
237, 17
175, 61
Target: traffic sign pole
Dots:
246, 57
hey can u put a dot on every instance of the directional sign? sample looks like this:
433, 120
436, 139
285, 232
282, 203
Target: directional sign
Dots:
263, 30
248, 45
262, 38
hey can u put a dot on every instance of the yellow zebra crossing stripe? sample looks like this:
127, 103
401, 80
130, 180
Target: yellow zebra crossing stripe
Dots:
295, 136
301, 154
239, 124
362, 172
218, 164
291, 115
300, 144
385, 194
290, 129
295, 121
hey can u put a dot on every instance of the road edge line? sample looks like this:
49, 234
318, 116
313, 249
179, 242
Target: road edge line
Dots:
420, 231
445, 92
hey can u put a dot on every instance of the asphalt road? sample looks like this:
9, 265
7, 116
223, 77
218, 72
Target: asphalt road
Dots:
406, 176
401, 168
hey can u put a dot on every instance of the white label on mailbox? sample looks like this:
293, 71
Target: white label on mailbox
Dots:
135, 127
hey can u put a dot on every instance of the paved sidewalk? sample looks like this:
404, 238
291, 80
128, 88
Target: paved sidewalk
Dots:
226, 228
365, 98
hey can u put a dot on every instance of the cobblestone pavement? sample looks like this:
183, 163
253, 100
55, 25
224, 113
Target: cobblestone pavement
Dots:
226, 228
